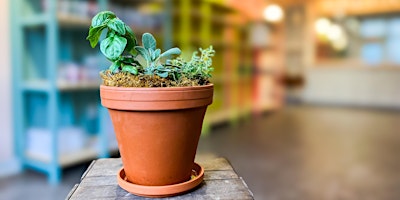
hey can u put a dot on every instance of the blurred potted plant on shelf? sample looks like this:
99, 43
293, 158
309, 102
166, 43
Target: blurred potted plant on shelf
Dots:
157, 105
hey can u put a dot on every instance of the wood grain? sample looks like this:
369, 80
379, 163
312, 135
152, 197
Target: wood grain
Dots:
220, 182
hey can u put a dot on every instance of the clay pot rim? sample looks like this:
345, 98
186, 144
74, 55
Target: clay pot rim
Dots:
164, 190
104, 87
152, 99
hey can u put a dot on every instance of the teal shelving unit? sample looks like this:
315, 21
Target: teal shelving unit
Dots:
44, 39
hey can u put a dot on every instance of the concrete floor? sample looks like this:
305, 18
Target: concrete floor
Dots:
300, 152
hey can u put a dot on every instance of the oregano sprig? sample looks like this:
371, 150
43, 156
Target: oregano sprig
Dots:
199, 66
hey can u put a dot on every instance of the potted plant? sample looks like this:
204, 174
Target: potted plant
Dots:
157, 105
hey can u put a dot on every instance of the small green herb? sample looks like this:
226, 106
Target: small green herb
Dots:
199, 67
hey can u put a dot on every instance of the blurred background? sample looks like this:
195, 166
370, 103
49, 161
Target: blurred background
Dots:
307, 93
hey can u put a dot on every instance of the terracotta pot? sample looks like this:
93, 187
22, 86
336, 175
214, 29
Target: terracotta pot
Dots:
157, 129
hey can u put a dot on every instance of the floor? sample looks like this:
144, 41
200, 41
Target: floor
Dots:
300, 152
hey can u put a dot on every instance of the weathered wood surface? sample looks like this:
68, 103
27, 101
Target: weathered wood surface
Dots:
220, 182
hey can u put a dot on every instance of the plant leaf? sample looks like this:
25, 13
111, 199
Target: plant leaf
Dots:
114, 67
160, 67
143, 52
117, 25
157, 53
148, 41
151, 53
137, 63
101, 17
173, 51
94, 35
130, 36
162, 74
112, 47
131, 69
129, 31
126, 60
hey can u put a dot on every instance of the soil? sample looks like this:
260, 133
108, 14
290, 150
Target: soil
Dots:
126, 79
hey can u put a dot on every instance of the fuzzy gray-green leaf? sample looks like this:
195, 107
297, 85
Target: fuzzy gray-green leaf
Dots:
117, 25
162, 74
157, 53
151, 53
173, 51
112, 47
102, 17
143, 52
149, 42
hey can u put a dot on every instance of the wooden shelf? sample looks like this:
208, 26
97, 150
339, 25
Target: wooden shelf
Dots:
64, 20
35, 20
67, 20
43, 85
81, 85
67, 159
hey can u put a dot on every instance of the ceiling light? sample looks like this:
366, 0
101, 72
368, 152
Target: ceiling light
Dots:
335, 32
322, 26
273, 13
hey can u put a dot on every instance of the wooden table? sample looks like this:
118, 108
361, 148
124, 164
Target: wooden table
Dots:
220, 182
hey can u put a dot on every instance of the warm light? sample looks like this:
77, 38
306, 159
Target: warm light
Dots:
335, 32
273, 13
340, 44
322, 26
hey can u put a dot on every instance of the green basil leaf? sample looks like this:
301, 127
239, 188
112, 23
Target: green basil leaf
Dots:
117, 25
94, 35
127, 60
114, 67
101, 17
131, 69
130, 36
112, 47
143, 52
149, 42
110, 33
173, 51
133, 52
129, 31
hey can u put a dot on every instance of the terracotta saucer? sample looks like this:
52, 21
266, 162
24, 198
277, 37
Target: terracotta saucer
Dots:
162, 191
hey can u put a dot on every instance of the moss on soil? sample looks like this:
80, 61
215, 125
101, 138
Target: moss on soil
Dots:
125, 79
